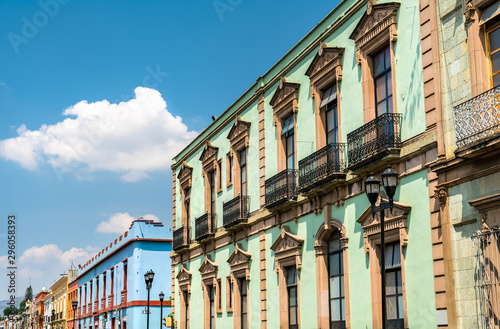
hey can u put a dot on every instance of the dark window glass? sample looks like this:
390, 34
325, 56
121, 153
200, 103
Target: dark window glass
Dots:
187, 205
230, 168
211, 178
394, 286
186, 303
230, 293
211, 297
331, 122
289, 143
336, 282
291, 287
383, 81
243, 171
494, 37
244, 301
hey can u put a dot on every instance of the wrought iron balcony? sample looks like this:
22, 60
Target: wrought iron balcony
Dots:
235, 211
182, 238
478, 118
205, 226
281, 187
374, 138
322, 165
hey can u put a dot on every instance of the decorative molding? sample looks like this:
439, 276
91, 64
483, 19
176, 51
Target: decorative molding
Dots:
209, 153
287, 249
324, 231
185, 175
325, 67
469, 12
239, 261
184, 278
395, 224
239, 134
441, 194
285, 100
489, 210
377, 20
208, 269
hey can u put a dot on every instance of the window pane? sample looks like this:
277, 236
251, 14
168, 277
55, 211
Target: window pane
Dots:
335, 310
342, 314
292, 297
244, 321
291, 275
243, 175
400, 307
400, 285
495, 40
390, 283
387, 52
334, 264
381, 108
293, 316
243, 158
342, 286
391, 308
397, 255
389, 105
495, 62
335, 287
243, 305
378, 63
334, 241
496, 80
389, 249
290, 162
380, 89
389, 83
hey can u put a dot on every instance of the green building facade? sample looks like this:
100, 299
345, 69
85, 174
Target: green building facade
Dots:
272, 225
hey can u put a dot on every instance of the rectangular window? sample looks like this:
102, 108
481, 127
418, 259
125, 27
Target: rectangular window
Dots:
211, 298
186, 309
112, 280
104, 285
219, 176
394, 286
219, 295
243, 303
331, 120
494, 45
97, 288
336, 282
125, 266
229, 294
187, 205
291, 287
91, 291
288, 132
383, 81
243, 171
211, 181
230, 158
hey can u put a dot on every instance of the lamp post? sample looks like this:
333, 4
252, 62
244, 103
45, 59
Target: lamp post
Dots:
75, 305
372, 187
161, 307
53, 315
148, 277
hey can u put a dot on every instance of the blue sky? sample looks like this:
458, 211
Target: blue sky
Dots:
65, 64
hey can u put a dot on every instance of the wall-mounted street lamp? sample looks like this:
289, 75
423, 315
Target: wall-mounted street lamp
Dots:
148, 278
162, 295
74, 304
372, 187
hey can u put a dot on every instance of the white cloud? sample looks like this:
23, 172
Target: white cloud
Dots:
42, 265
120, 222
131, 138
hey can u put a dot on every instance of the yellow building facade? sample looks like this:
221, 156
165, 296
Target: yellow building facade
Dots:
59, 295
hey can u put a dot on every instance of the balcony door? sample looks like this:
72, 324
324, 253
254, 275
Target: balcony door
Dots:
382, 76
243, 172
329, 104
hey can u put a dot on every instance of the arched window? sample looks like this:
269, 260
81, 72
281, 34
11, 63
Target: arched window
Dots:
336, 281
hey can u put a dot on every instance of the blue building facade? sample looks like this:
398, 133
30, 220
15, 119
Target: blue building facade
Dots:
112, 285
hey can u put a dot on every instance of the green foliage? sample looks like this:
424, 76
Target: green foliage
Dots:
29, 293
22, 306
9, 310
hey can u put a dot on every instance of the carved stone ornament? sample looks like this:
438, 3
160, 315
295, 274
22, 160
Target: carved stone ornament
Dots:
285, 99
208, 152
208, 269
441, 194
184, 175
376, 21
287, 248
470, 12
395, 225
326, 67
239, 261
489, 211
184, 278
239, 134
324, 231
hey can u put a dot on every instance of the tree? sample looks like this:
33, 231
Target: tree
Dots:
22, 306
28, 295
10, 310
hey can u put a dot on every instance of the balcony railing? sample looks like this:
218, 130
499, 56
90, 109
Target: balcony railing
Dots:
478, 118
281, 187
123, 297
235, 211
182, 238
379, 135
111, 300
321, 165
205, 226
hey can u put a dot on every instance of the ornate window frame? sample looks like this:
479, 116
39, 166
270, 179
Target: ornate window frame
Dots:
239, 137
239, 261
376, 29
325, 70
287, 250
395, 230
322, 284
208, 270
208, 160
285, 102
185, 182
184, 280
478, 48
489, 210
